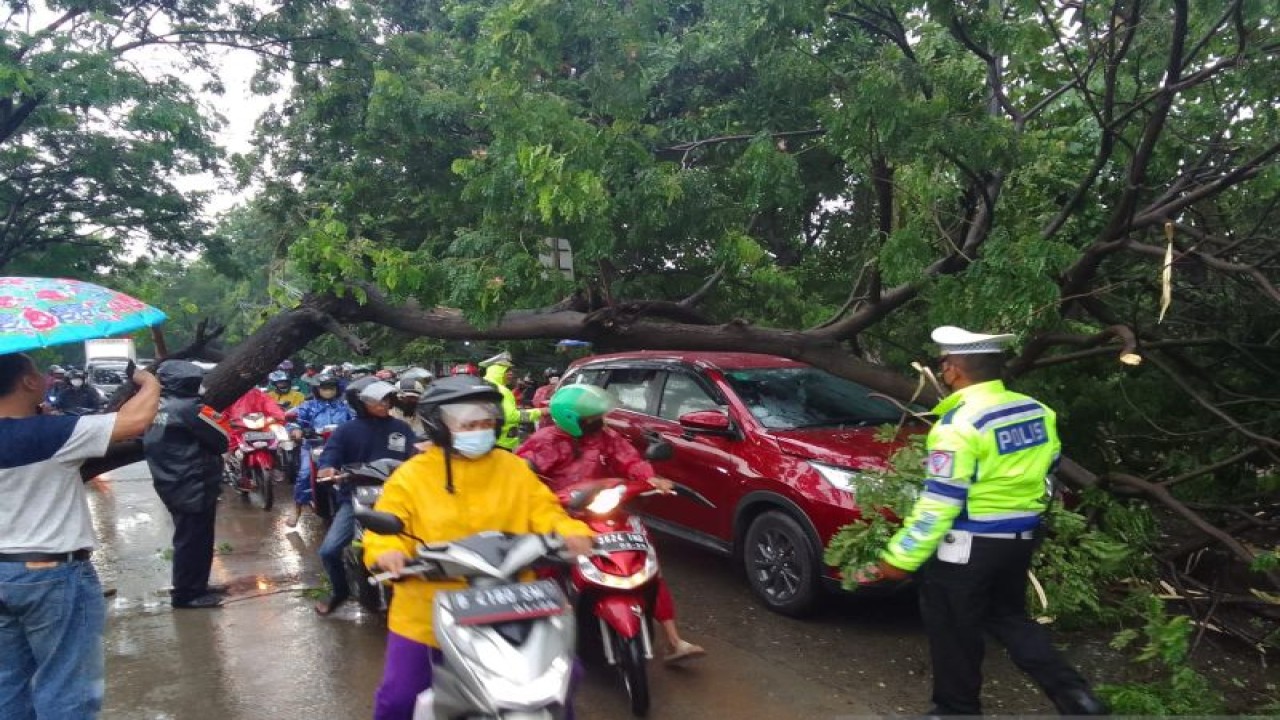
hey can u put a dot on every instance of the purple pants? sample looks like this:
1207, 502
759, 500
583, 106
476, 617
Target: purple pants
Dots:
407, 673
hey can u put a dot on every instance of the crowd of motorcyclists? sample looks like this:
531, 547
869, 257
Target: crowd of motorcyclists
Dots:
491, 476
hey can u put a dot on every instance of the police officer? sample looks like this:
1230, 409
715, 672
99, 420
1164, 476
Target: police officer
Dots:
972, 532
500, 372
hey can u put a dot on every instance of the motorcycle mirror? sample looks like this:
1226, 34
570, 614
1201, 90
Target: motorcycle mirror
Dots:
383, 523
579, 499
659, 450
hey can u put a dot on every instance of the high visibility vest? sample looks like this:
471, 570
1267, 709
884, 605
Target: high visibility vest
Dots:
512, 415
989, 458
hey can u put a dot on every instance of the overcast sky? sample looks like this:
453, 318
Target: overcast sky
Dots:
241, 108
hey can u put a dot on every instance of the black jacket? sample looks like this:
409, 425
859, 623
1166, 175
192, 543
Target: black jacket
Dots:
83, 398
183, 447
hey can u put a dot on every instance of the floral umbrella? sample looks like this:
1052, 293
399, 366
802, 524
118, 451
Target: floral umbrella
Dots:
42, 312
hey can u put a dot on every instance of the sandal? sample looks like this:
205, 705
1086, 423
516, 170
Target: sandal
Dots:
326, 608
684, 651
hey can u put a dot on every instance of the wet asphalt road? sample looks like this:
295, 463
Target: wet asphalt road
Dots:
266, 653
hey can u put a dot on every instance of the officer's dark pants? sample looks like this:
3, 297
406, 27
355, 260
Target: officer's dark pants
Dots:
192, 553
988, 595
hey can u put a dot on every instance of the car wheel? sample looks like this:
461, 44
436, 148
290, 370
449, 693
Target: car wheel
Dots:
781, 564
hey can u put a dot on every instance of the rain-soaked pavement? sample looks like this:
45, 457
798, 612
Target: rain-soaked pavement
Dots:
267, 654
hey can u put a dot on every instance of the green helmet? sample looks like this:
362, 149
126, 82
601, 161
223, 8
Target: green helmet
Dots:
571, 403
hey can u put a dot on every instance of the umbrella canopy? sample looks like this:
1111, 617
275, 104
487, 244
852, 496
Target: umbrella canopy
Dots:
42, 312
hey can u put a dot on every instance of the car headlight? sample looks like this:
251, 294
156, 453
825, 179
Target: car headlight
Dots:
838, 477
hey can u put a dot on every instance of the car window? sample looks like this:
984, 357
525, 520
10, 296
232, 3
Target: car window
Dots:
589, 377
632, 387
805, 397
682, 394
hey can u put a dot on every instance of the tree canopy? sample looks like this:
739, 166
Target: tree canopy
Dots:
822, 182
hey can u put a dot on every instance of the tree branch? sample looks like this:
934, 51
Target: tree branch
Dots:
1160, 494
702, 292
687, 147
1038, 346
1214, 409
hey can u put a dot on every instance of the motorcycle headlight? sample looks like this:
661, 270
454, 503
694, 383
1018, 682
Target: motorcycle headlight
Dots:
838, 477
619, 582
606, 501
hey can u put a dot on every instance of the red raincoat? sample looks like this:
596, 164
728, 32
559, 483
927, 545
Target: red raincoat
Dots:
598, 456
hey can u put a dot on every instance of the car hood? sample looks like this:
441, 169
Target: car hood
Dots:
852, 448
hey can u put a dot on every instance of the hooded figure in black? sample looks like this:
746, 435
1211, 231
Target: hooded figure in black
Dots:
184, 449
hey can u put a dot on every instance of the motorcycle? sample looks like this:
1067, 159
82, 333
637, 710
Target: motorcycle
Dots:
367, 480
617, 583
257, 440
289, 454
507, 644
321, 497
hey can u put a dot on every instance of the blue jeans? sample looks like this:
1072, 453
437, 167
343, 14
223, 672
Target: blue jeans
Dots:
342, 530
51, 656
302, 483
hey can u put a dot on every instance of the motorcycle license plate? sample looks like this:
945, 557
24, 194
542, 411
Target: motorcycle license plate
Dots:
260, 445
259, 437
622, 542
506, 603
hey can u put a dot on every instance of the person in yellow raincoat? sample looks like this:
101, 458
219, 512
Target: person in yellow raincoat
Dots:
457, 487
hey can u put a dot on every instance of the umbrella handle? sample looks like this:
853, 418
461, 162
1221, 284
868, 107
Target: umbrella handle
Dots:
162, 350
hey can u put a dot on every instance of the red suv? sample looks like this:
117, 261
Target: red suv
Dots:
776, 444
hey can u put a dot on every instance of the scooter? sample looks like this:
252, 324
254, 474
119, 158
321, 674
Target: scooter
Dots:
289, 453
257, 440
507, 645
321, 497
617, 583
367, 480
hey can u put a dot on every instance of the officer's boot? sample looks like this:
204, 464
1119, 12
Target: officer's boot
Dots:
1080, 701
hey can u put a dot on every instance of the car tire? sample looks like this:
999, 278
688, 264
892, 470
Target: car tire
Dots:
781, 564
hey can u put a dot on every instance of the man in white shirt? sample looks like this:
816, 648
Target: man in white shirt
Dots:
51, 607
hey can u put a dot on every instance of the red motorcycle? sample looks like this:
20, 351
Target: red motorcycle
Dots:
617, 583
321, 493
256, 439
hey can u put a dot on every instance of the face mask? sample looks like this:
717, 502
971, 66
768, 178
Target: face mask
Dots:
474, 443
77, 382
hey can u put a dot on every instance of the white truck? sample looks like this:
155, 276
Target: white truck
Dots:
105, 362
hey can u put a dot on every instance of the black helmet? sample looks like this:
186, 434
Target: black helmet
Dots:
320, 381
449, 390
366, 390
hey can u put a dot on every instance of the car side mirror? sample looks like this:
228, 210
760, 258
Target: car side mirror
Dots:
382, 523
710, 422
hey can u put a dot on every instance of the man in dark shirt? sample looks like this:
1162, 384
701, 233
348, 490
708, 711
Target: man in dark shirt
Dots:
77, 397
184, 448
373, 435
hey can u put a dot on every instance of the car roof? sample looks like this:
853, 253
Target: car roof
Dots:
717, 360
